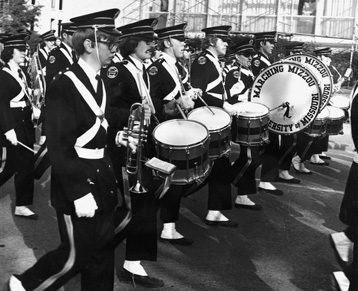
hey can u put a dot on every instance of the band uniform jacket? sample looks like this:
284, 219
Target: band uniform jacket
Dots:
122, 92
234, 75
43, 56
11, 117
349, 207
165, 84
68, 117
258, 63
206, 74
59, 59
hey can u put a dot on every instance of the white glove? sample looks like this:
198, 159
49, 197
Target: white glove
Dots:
230, 108
11, 136
36, 112
186, 102
42, 139
122, 141
237, 88
85, 206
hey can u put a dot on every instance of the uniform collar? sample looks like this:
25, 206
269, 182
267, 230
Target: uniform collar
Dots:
13, 66
169, 59
136, 62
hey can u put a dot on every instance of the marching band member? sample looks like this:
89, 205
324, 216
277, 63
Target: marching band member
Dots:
60, 58
48, 42
127, 83
169, 84
83, 183
344, 242
206, 74
17, 129
288, 143
264, 44
238, 82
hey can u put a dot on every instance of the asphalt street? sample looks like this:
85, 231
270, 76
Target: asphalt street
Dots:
284, 247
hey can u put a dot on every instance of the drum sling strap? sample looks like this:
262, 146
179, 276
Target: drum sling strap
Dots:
217, 81
175, 75
67, 55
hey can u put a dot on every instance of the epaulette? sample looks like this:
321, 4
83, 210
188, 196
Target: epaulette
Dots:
60, 74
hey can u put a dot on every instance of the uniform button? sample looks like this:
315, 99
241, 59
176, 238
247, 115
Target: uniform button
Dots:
97, 170
112, 191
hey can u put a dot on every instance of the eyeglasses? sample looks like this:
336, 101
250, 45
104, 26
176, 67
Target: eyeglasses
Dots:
151, 41
109, 44
247, 54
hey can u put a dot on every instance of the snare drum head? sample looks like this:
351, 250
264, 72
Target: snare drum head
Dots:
335, 113
215, 121
180, 132
251, 109
321, 72
339, 101
292, 94
324, 114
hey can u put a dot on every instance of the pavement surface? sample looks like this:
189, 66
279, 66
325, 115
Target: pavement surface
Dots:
284, 247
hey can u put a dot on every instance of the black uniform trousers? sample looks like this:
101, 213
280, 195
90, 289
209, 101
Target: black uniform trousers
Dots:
141, 231
244, 169
219, 184
270, 159
304, 146
19, 162
288, 149
349, 215
86, 249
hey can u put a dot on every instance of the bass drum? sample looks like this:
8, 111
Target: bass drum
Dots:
321, 72
292, 94
184, 143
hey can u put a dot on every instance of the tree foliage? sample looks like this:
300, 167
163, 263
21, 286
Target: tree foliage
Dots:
18, 15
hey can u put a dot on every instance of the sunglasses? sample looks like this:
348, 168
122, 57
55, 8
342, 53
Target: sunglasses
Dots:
109, 44
248, 54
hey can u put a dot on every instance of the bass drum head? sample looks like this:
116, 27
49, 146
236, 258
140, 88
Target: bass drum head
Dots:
292, 94
321, 72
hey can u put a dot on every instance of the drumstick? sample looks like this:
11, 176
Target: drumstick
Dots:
206, 105
26, 147
181, 111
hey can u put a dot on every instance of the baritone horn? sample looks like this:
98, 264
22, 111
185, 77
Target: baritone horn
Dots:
137, 130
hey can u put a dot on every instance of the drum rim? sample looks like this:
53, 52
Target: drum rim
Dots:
256, 103
215, 108
203, 141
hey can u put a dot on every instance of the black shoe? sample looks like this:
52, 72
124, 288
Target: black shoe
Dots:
290, 181
178, 241
273, 192
227, 223
145, 281
325, 157
250, 207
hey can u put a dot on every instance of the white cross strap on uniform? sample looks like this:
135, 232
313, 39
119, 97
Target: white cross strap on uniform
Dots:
100, 120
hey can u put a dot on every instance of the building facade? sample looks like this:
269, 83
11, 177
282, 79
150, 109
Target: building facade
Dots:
326, 22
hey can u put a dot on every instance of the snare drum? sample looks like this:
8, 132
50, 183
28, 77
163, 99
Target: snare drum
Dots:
335, 120
339, 101
251, 123
319, 126
219, 126
184, 143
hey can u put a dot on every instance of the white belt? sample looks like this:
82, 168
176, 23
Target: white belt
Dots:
16, 104
355, 157
216, 95
90, 154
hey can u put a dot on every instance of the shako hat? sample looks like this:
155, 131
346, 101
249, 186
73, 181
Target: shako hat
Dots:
243, 45
143, 28
219, 31
68, 27
16, 41
266, 36
294, 46
326, 51
48, 36
176, 31
101, 20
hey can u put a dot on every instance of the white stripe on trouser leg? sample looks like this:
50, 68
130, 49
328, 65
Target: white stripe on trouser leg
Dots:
71, 259
3, 159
